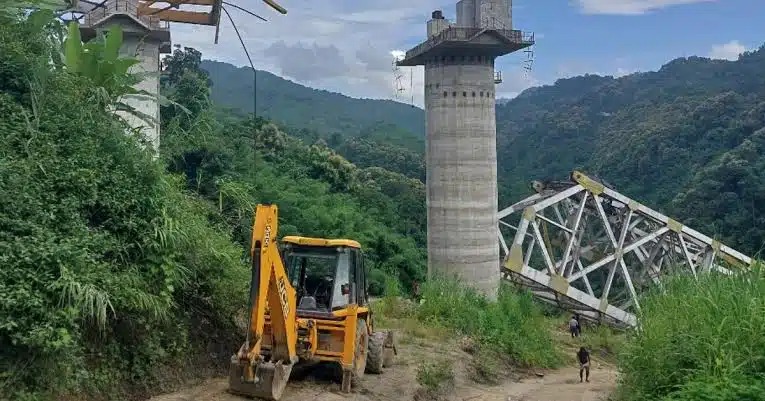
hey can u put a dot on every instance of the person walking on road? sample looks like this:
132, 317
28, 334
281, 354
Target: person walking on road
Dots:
573, 327
584, 363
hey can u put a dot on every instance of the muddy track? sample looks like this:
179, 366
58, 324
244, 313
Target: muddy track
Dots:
399, 383
401, 387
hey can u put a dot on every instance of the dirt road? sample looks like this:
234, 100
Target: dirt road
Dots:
561, 385
399, 384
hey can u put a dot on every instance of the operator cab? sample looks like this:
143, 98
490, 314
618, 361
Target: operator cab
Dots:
327, 274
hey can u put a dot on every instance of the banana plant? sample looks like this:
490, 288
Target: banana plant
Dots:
100, 61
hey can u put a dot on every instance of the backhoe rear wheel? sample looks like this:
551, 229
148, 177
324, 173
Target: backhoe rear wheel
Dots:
389, 349
375, 352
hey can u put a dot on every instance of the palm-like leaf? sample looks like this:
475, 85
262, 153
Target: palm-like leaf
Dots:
100, 61
124, 107
73, 48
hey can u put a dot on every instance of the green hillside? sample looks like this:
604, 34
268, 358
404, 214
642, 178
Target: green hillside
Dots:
358, 129
301, 107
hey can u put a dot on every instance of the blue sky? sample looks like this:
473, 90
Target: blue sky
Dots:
574, 40
345, 45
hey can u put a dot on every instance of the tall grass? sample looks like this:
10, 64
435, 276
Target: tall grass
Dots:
699, 340
513, 327
603, 339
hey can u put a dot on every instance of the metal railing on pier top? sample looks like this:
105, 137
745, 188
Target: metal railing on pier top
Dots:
455, 34
128, 7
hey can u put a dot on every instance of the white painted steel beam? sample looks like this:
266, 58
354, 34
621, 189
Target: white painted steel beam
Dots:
586, 248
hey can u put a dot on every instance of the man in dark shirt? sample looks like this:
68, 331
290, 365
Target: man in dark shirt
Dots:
584, 363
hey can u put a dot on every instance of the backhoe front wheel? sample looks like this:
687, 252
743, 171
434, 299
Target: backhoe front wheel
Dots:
359, 357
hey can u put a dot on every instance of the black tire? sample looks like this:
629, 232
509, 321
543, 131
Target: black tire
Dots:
375, 353
362, 343
389, 350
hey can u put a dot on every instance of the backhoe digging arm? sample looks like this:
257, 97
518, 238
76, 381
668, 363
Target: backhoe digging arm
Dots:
270, 285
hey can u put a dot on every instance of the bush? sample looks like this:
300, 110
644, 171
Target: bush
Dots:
393, 305
699, 340
716, 389
513, 327
485, 367
436, 378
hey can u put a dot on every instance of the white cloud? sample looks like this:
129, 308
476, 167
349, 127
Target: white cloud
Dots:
727, 51
620, 67
514, 82
338, 45
346, 46
622, 71
628, 7
573, 68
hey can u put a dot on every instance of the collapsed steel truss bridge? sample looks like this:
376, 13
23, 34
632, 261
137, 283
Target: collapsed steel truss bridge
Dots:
586, 248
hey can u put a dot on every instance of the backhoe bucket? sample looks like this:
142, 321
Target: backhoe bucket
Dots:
270, 379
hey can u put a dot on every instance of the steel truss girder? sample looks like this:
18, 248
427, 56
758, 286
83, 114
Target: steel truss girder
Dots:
600, 234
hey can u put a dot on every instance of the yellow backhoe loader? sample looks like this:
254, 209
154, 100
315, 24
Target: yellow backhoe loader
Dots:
308, 303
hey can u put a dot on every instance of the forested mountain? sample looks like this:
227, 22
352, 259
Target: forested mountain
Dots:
686, 139
298, 106
368, 132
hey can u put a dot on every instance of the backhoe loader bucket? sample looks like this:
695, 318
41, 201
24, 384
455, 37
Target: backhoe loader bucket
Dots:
270, 379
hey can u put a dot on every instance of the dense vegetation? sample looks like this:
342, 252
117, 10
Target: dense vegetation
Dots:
107, 262
699, 340
367, 132
513, 327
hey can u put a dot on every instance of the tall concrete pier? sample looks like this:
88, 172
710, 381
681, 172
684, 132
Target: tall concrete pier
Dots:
461, 153
144, 37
